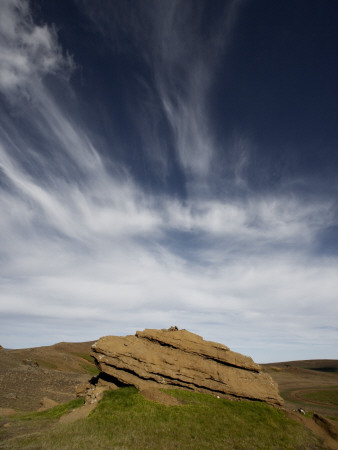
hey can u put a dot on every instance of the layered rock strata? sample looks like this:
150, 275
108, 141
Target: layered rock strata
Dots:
180, 359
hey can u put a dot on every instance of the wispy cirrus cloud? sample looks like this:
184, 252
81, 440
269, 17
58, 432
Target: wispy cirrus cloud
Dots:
28, 51
182, 63
87, 250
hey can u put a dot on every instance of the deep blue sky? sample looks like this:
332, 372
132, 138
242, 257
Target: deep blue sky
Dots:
275, 82
170, 162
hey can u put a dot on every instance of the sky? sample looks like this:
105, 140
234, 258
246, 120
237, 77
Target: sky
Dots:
170, 162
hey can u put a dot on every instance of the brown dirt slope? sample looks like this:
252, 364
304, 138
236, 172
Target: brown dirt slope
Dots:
29, 375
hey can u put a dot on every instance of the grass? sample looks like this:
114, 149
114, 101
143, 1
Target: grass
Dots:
85, 356
124, 419
52, 413
46, 364
90, 368
333, 418
329, 396
24, 427
323, 369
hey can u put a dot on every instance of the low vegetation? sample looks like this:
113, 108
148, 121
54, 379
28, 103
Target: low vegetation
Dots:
53, 413
27, 427
311, 385
329, 396
90, 368
46, 364
85, 356
125, 419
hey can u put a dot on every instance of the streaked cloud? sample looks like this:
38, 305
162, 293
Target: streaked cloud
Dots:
182, 64
87, 250
27, 51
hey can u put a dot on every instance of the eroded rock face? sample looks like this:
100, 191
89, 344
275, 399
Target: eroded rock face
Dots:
180, 359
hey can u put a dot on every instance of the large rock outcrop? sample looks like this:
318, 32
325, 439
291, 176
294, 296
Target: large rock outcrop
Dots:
180, 359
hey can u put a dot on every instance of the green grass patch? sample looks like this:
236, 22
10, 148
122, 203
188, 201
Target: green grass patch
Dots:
85, 356
328, 369
46, 364
52, 413
91, 370
286, 396
329, 396
23, 428
124, 419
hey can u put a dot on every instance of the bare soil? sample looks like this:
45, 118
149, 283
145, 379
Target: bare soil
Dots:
29, 375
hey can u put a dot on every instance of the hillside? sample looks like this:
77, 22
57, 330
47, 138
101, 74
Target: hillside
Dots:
311, 385
29, 375
124, 419
322, 365
198, 420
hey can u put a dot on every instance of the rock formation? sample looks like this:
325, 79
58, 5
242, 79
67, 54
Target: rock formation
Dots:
179, 359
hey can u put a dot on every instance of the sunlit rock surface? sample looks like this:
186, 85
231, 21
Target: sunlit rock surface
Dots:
179, 359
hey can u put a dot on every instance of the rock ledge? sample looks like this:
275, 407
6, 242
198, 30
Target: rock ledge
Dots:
179, 359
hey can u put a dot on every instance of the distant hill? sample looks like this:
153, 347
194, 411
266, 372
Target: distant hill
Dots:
322, 365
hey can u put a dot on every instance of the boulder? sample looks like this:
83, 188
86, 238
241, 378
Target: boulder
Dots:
179, 359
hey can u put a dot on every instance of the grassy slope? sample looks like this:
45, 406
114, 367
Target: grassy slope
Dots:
314, 390
328, 396
125, 419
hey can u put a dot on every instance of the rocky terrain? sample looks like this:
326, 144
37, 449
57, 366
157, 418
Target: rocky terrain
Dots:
179, 359
34, 377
